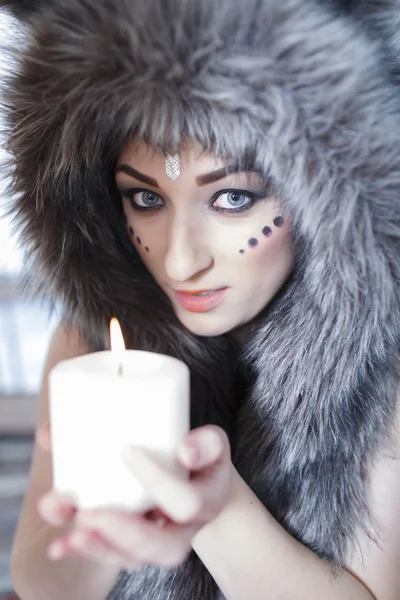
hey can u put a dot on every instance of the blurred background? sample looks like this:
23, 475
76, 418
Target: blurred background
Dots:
25, 330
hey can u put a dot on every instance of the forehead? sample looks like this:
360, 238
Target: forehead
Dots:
191, 155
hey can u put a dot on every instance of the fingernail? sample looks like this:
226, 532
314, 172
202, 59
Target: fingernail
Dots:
211, 445
50, 515
190, 454
55, 519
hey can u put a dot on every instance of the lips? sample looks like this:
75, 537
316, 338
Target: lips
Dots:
201, 300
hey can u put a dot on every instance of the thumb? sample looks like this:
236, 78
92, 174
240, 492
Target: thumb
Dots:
204, 447
43, 437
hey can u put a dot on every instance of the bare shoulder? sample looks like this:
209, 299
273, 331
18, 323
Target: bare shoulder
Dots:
66, 343
380, 571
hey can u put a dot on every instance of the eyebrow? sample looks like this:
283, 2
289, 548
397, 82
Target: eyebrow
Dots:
224, 172
200, 179
136, 174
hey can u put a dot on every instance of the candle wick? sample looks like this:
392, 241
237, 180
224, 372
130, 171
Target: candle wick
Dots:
120, 369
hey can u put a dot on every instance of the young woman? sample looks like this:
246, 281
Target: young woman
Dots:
224, 178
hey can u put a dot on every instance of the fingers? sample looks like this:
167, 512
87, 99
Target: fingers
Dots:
181, 500
203, 447
172, 494
43, 437
137, 540
90, 544
56, 509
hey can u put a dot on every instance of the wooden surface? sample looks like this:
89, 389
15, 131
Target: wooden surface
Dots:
15, 457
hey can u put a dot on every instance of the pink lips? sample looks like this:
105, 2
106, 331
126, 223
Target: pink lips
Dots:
193, 302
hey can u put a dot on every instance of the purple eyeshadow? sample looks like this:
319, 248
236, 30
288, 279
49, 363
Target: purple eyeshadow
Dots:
267, 231
278, 221
253, 242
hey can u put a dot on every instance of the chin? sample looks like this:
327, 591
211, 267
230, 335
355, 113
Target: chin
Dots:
205, 324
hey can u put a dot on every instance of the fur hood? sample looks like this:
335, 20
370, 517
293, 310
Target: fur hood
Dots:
307, 91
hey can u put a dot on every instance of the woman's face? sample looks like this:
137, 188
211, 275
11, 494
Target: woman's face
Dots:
214, 239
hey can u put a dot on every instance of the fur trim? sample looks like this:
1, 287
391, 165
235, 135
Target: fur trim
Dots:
23, 9
305, 92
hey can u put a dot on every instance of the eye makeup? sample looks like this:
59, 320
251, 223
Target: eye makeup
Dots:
253, 197
130, 193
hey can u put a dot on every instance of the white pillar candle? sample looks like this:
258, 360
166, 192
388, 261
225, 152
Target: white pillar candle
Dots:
100, 405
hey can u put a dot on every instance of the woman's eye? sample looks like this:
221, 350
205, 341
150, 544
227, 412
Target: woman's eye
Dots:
146, 199
229, 201
142, 199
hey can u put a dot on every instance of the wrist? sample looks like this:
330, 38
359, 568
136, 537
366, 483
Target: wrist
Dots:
234, 484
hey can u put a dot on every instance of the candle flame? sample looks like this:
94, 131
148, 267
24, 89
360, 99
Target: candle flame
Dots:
117, 343
116, 337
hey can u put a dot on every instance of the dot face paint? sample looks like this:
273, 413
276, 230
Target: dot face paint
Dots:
267, 231
131, 230
147, 249
139, 241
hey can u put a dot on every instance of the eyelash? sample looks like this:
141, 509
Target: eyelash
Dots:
253, 196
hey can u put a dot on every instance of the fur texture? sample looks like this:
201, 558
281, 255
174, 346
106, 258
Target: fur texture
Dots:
304, 89
23, 9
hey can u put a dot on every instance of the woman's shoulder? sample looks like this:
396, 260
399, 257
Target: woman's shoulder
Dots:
66, 342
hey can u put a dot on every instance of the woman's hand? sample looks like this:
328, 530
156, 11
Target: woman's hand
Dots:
162, 537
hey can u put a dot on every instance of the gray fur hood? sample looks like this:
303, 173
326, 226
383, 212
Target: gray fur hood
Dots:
307, 91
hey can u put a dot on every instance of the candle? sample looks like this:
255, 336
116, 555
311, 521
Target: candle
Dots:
101, 403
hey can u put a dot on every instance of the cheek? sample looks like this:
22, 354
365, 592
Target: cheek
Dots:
275, 253
266, 261
141, 241
147, 243
263, 239
265, 270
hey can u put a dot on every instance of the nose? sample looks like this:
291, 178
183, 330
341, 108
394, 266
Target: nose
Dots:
188, 253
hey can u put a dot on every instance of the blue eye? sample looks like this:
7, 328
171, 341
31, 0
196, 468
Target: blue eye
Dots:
234, 201
145, 199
